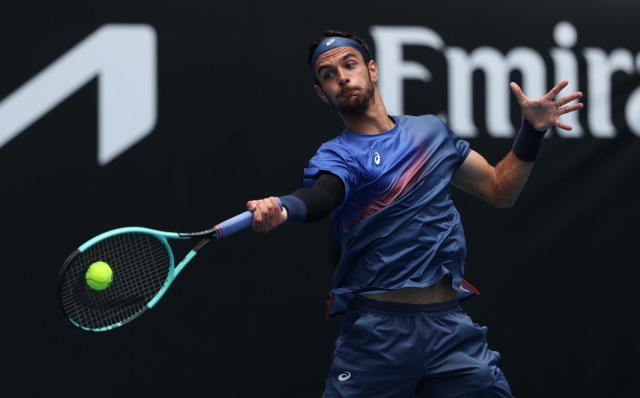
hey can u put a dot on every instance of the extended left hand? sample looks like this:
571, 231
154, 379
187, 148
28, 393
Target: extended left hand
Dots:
543, 113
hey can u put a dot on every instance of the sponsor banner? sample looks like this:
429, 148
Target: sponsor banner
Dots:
172, 115
497, 67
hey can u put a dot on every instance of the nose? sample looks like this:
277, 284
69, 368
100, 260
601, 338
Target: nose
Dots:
343, 79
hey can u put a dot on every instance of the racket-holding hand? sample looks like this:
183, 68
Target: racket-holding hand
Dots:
266, 214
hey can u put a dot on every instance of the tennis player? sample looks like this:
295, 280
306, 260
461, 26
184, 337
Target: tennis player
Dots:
401, 277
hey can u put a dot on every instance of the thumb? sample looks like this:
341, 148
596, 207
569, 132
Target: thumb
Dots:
517, 92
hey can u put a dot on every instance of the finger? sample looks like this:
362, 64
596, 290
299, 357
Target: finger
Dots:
562, 125
263, 209
278, 211
556, 90
258, 214
256, 225
269, 203
268, 214
517, 91
570, 108
260, 217
271, 213
568, 98
275, 204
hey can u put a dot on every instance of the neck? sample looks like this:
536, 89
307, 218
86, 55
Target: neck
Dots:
374, 121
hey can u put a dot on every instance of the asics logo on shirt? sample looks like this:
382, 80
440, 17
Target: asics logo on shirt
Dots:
330, 41
344, 376
376, 157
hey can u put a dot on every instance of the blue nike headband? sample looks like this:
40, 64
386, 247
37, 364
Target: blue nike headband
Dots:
329, 44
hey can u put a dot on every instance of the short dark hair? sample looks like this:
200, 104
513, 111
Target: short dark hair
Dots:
334, 33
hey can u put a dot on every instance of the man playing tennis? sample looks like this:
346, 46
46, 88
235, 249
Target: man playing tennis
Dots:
386, 180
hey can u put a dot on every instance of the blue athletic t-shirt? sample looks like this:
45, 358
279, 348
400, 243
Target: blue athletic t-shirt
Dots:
397, 224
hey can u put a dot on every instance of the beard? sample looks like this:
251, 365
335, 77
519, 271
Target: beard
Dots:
354, 105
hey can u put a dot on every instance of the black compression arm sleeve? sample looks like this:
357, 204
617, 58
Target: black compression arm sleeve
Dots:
325, 195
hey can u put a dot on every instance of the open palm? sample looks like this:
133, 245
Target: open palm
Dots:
543, 113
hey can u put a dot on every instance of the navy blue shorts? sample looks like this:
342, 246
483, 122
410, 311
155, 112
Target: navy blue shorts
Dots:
397, 350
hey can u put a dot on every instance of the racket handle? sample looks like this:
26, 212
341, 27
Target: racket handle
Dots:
235, 224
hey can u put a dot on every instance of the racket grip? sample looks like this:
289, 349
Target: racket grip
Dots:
235, 224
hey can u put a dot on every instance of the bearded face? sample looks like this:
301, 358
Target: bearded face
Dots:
353, 99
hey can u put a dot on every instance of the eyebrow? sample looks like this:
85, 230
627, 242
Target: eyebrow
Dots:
347, 55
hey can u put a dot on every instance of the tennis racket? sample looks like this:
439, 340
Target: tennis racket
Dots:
143, 268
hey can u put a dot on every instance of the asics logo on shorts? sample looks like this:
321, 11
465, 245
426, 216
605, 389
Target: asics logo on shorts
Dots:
344, 376
376, 157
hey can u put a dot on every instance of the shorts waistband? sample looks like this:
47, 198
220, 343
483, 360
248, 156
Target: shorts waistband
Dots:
383, 307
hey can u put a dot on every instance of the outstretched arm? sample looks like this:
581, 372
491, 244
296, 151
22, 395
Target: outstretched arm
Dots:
501, 185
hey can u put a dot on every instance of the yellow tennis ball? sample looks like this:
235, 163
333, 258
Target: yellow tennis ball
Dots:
99, 275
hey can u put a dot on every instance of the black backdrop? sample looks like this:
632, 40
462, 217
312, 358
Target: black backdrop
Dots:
238, 119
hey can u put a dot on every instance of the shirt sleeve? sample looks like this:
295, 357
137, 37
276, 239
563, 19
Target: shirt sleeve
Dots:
330, 158
462, 147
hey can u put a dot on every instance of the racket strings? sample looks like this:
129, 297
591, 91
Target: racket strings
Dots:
140, 264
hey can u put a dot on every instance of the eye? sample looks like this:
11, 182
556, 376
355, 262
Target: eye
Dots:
351, 65
327, 75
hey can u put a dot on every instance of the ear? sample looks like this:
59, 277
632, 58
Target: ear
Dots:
373, 71
321, 93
